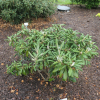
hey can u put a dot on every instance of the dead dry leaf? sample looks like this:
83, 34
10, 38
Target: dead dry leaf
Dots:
61, 88
57, 85
37, 97
16, 93
38, 79
22, 81
47, 83
41, 83
38, 90
2, 64
31, 78
12, 91
27, 97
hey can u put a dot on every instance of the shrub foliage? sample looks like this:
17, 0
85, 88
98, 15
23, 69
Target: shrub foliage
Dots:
88, 3
17, 10
56, 51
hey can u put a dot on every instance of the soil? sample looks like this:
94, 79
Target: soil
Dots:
32, 87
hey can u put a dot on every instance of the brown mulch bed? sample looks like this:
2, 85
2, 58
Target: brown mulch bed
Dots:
32, 87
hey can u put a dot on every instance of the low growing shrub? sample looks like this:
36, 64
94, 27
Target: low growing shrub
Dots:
88, 3
15, 11
56, 51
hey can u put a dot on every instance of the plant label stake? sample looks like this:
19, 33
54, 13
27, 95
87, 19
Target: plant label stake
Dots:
26, 24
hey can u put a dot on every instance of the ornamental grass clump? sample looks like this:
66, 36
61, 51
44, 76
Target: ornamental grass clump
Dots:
56, 51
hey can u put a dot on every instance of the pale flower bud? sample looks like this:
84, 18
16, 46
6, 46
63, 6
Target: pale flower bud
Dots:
73, 64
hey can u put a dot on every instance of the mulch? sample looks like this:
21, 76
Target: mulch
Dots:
33, 87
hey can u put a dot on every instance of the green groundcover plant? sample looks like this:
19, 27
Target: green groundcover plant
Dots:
55, 51
15, 11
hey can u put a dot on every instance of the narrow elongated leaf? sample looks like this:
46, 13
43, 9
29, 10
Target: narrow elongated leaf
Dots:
75, 74
55, 70
61, 73
70, 71
41, 67
57, 42
65, 75
62, 45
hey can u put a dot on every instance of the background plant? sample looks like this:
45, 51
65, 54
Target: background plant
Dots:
98, 15
56, 51
88, 3
15, 11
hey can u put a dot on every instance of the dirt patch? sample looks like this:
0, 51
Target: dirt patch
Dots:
33, 87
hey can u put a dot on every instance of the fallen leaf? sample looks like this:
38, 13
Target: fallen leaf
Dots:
60, 96
74, 98
27, 97
22, 81
38, 90
86, 83
6, 82
16, 89
66, 94
47, 83
13, 88
86, 78
97, 66
2, 64
12, 91
38, 79
41, 83
61, 88
57, 85
31, 78
10, 86
37, 97
16, 93
54, 89
50, 84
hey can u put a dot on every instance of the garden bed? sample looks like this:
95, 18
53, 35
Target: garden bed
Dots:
33, 87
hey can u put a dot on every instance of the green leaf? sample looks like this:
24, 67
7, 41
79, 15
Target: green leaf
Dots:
41, 67
61, 73
55, 70
70, 71
26, 53
22, 27
20, 72
51, 79
65, 75
56, 62
73, 79
62, 45
57, 42
24, 72
75, 74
